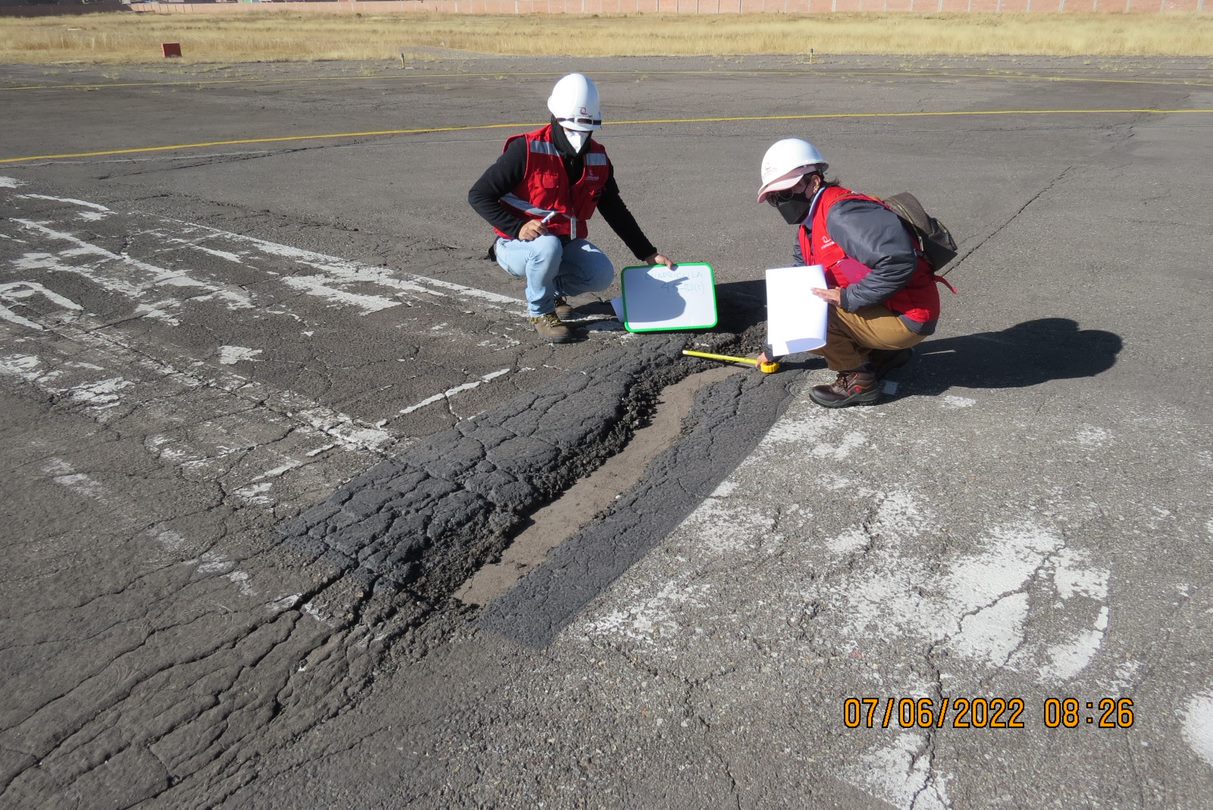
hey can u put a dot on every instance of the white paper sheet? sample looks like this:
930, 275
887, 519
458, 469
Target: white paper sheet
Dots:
796, 319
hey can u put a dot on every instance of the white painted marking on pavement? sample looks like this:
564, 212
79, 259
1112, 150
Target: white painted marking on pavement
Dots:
254, 493
1198, 726
20, 290
953, 401
17, 290
12, 317
281, 468
852, 441
10, 182
1072, 656
323, 286
96, 394
65, 475
1071, 577
902, 775
335, 271
220, 254
450, 392
1091, 436
231, 355
130, 277
649, 617
994, 632
83, 203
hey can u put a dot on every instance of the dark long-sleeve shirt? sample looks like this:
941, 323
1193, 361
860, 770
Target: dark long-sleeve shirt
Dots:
875, 236
504, 176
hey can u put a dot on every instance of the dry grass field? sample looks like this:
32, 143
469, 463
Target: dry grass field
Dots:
133, 38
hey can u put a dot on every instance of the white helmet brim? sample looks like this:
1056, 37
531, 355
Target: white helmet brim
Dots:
787, 180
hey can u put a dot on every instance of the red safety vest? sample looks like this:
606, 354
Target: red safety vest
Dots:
544, 192
918, 300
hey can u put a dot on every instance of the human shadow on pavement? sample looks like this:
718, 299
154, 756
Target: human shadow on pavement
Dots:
740, 305
1026, 354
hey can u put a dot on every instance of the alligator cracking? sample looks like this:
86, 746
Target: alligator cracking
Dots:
415, 528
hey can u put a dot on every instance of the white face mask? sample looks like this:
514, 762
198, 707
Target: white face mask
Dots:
576, 138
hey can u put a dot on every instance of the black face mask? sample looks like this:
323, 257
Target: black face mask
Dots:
794, 210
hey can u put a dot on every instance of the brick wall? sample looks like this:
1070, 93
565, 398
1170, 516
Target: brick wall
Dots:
685, 6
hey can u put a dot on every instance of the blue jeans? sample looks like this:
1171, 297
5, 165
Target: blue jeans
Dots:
554, 270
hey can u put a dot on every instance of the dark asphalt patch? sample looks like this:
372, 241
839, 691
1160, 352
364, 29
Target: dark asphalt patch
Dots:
420, 524
727, 422
423, 519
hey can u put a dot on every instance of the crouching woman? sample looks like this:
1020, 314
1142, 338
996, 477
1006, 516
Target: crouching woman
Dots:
881, 288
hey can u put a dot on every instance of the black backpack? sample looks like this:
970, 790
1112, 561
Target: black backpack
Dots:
937, 243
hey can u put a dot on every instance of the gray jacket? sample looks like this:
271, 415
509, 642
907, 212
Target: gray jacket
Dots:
873, 235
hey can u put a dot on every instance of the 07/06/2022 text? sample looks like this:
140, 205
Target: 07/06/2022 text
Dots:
983, 712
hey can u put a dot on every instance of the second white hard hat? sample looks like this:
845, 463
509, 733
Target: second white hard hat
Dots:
574, 103
786, 162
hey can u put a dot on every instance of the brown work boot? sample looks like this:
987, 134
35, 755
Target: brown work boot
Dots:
851, 388
885, 360
551, 328
564, 310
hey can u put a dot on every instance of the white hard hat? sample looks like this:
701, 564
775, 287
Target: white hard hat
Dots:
574, 103
786, 162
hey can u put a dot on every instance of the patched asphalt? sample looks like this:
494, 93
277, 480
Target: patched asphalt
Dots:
266, 408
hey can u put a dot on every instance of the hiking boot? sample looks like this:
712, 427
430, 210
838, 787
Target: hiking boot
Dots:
564, 309
551, 328
885, 360
851, 388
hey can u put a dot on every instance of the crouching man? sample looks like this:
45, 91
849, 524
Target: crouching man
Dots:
539, 196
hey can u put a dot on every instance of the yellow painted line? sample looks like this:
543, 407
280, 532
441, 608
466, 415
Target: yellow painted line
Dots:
509, 75
280, 139
645, 122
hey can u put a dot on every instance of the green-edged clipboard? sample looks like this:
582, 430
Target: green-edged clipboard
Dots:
658, 299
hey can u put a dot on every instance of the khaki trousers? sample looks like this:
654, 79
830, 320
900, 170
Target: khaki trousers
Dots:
851, 336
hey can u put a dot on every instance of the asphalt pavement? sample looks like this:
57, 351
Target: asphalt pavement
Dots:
269, 421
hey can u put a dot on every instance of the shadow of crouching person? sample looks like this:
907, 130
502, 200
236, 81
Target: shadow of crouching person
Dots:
1026, 354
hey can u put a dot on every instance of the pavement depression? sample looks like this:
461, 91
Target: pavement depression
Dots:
424, 522
137, 150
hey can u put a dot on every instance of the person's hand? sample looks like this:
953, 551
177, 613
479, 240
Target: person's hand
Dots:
532, 229
657, 258
833, 296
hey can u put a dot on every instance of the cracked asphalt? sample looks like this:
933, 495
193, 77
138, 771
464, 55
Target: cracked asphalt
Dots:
265, 409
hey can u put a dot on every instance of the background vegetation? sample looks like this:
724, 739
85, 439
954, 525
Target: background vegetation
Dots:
133, 38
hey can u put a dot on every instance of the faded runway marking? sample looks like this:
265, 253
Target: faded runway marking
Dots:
458, 389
